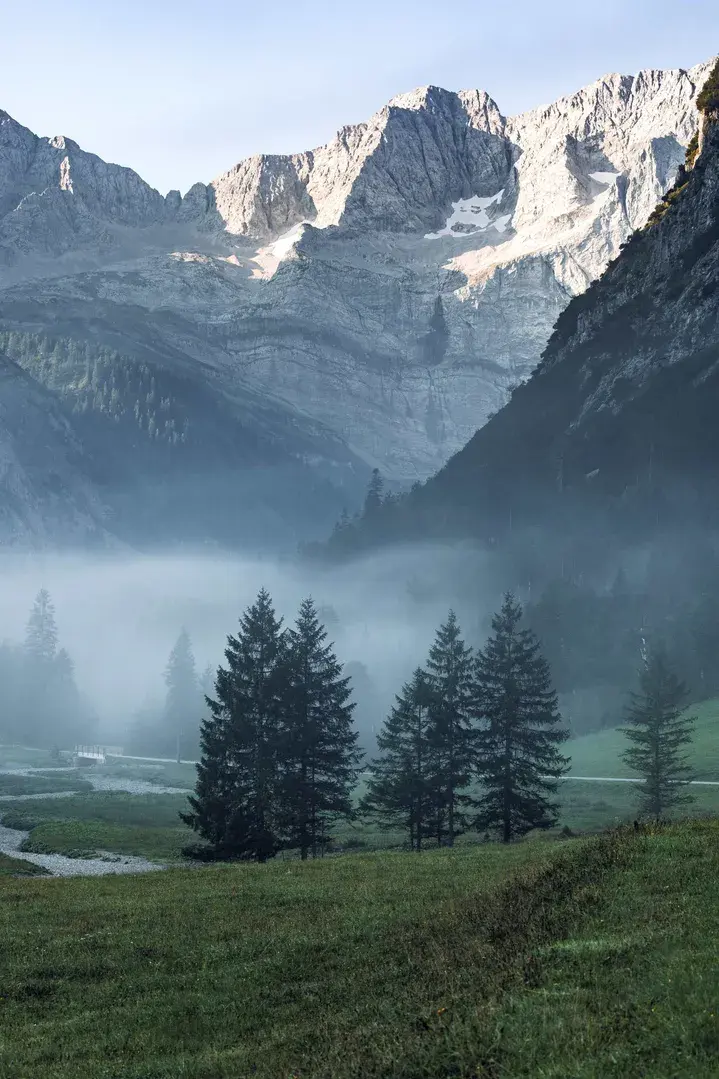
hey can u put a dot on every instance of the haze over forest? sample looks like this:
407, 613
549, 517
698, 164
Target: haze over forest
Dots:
120, 616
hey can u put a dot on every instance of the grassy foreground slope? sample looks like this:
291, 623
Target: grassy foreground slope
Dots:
13, 867
599, 754
583, 959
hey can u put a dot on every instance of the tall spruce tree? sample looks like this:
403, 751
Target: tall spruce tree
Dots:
450, 680
236, 807
658, 732
401, 792
183, 704
519, 762
319, 755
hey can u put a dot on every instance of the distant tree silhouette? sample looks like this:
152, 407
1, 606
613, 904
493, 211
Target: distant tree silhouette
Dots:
658, 732
375, 491
183, 704
49, 708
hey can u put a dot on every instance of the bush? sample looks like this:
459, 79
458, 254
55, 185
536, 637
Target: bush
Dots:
708, 99
201, 852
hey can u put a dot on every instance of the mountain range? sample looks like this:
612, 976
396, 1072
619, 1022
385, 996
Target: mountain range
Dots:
228, 365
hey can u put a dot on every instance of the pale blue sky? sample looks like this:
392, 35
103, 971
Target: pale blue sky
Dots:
181, 91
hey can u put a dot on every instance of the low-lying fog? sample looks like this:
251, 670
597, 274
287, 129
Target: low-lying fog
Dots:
119, 617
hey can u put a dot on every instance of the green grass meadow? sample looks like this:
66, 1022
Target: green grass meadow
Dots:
582, 959
83, 839
146, 825
25, 757
11, 785
166, 773
599, 754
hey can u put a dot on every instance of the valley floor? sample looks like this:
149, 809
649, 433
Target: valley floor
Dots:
584, 959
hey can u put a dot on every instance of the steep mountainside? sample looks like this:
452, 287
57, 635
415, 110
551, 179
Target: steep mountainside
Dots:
618, 423
368, 303
44, 496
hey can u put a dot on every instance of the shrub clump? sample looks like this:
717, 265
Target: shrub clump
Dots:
692, 151
708, 99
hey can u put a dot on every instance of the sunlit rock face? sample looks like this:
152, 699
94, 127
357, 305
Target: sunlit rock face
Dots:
366, 303
611, 449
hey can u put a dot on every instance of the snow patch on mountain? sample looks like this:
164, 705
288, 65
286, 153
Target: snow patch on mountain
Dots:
469, 215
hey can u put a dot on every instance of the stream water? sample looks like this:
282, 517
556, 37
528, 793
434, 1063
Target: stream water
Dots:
11, 839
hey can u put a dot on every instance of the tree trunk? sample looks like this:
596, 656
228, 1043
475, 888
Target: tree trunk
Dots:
313, 819
450, 792
507, 819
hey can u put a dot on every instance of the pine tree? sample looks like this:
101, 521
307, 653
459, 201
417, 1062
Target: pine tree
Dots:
400, 791
41, 633
235, 807
182, 702
341, 524
40, 651
207, 681
319, 755
375, 489
518, 757
51, 707
146, 722
450, 670
71, 717
658, 731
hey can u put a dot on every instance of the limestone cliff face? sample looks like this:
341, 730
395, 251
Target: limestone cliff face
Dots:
614, 438
374, 299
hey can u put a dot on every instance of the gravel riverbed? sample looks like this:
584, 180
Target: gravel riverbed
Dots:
11, 839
